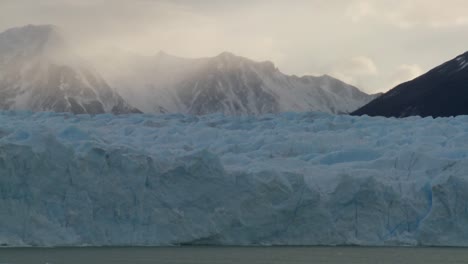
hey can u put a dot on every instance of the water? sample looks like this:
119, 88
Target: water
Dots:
229, 255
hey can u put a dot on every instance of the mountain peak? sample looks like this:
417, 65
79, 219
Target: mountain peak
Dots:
31, 39
40, 72
227, 54
228, 57
42, 27
233, 59
31, 32
162, 53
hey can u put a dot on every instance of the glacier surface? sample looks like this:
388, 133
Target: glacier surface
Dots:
287, 179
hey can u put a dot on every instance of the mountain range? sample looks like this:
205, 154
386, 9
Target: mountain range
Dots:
40, 72
225, 83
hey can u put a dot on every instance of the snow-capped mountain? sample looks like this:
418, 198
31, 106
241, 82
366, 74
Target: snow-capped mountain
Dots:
40, 72
441, 92
226, 83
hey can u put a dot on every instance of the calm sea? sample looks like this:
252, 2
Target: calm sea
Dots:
225, 255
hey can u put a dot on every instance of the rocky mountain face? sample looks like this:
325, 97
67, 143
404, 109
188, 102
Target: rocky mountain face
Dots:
40, 72
228, 84
441, 92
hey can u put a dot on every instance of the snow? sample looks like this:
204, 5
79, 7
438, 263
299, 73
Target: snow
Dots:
239, 85
463, 64
41, 72
286, 179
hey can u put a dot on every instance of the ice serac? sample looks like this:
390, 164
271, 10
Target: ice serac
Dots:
227, 84
40, 72
288, 179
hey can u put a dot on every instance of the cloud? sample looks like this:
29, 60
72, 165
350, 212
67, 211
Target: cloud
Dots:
181, 27
360, 10
359, 66
355, 70
404, 73
411, 13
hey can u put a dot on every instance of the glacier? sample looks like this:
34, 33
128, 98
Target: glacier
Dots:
284, 179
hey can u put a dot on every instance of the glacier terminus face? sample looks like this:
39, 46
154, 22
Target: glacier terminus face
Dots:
286, 179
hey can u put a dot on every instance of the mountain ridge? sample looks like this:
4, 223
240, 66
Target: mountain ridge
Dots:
39, 71
229, 84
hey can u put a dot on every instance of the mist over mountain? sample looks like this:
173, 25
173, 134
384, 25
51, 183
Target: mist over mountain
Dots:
441, 92
225, 83
40, 72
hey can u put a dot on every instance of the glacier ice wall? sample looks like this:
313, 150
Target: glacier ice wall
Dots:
288, 179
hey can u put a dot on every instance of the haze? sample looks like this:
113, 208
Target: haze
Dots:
373, 44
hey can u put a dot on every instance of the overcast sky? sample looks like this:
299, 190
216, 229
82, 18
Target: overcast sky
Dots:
373, 44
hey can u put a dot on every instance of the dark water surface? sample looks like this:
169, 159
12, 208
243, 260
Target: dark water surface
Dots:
225, 255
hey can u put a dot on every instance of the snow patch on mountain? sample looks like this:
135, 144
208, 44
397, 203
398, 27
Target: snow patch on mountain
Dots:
226, 83
40, 72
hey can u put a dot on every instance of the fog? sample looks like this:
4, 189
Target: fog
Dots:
373, 44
